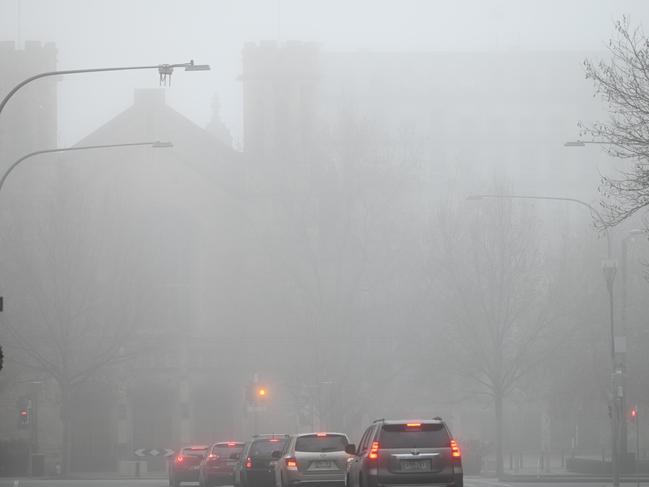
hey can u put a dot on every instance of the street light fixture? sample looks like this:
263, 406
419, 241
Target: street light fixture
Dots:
154, 144
164, 70
583, 143
609, 269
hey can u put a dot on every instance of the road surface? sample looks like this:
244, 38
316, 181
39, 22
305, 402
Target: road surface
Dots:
468, 482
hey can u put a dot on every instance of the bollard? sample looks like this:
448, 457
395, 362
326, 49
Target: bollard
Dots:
137, 468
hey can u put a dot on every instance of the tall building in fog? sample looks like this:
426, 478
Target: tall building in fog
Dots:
279, 98
29, 121
470, 117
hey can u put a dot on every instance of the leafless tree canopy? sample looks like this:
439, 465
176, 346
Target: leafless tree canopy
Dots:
623, 82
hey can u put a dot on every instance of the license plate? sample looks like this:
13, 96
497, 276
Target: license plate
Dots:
322, 464
416, 465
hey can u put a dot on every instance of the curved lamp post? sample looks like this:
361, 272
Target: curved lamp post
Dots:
163, 69
155, 144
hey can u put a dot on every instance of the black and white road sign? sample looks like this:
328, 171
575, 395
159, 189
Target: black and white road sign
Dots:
153, 452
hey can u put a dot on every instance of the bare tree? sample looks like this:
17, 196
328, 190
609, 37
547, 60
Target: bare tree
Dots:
336, 237
623, 83
72, 288
495, 298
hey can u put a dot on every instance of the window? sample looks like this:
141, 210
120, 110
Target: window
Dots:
321, 444
264, 449
424, 436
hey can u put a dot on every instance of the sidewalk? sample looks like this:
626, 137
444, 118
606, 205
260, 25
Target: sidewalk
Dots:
547, 468
104, 476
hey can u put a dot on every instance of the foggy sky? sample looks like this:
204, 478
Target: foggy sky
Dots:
97, 33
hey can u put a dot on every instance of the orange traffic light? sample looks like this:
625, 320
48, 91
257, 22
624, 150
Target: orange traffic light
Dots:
262, 392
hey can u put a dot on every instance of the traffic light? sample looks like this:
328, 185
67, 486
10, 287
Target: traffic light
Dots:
24, 412
634, 414
262, 393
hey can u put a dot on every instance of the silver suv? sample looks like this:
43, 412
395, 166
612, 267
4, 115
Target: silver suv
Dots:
313, 458
405, 452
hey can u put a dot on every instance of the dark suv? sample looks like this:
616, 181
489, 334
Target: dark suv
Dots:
406, 452
256, 467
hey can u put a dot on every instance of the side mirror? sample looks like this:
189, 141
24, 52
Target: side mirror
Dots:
276, 455
350, 449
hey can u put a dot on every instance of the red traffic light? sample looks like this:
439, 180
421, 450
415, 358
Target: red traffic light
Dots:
634, 412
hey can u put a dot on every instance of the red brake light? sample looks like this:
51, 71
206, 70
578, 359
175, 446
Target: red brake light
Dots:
374, 451
291, 463
413, 425
248, 462
321, 435
232, 443
455, 450
179, 459
273, 440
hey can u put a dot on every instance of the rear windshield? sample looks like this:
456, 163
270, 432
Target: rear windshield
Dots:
194, 452
265, 448
226, 450
314, 443
425, 436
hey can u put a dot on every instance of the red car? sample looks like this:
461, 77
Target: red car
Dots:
217, 468
184, 467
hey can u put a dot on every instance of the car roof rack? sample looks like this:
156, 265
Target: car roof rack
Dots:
438, 418
378, 420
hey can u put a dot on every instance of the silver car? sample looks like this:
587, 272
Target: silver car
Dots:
313, 458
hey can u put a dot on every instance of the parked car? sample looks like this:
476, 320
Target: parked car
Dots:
406, 452
184, 467
256, 467
217, 468
313, 458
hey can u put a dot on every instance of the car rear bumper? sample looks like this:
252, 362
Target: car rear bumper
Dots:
425, 481
186, 475
445, 482
426, 484
297, 478
219, 478
259, 478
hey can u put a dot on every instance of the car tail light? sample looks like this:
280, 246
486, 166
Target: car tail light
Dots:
179, 459
291, 463
231, 444
374, 451
455, 450
248, 462
413, 425
321, 435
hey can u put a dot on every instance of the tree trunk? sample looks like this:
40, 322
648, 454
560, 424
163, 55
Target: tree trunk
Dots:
499, 433
66, 443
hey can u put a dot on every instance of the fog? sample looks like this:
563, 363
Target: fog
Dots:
366, 209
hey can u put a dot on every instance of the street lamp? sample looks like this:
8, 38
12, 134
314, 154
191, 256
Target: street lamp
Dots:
625, 242
623, 318
164, 70
583, 143
609, 269
155, 144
